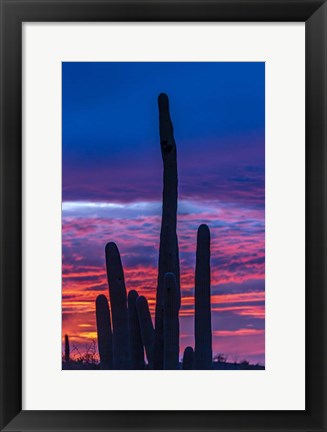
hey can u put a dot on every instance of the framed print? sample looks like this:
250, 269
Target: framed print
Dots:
163, 215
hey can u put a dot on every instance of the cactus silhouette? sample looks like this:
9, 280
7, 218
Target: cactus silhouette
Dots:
67, 349
146, 326
188, 358
132, 329
202, 319
104, 332
135, 338
118, 302
168, 249
171, 322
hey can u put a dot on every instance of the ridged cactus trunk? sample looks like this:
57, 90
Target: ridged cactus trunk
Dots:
188, 358
168, 250
202, 321
67, 349
118, 302
135, 338
146, 326
104, 332
171, 322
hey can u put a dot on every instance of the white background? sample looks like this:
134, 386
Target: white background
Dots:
281, 385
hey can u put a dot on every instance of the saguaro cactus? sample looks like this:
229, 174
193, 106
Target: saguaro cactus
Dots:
171, 322
132, 326
135, 338
168, 250
202, 321
146, 326
188, 358
67, 349
104, 332
118, 301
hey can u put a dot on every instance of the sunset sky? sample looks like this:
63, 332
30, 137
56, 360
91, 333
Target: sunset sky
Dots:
112, 186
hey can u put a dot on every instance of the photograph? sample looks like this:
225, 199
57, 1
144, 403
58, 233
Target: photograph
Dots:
163, 216
163, 229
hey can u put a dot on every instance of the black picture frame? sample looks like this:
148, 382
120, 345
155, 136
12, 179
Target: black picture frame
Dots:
13, 14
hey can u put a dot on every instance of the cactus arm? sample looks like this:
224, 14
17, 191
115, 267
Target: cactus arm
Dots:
135, 338
146, 326
202, 319
104, 332
171, 322
118, 302
188, 358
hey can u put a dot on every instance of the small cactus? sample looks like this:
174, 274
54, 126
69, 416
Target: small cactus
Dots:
171, 322
168, 249
104, 332
135, 338
67, 349
146, 326
188, 358
118, 302
202, 319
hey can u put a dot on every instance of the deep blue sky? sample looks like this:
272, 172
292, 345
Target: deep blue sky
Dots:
110, 123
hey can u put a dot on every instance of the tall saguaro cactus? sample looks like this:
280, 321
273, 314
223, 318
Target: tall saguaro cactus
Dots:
168, 250
135, 338
202, 321
171, 322
104, 332
118, 301
146, 326
132, 327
